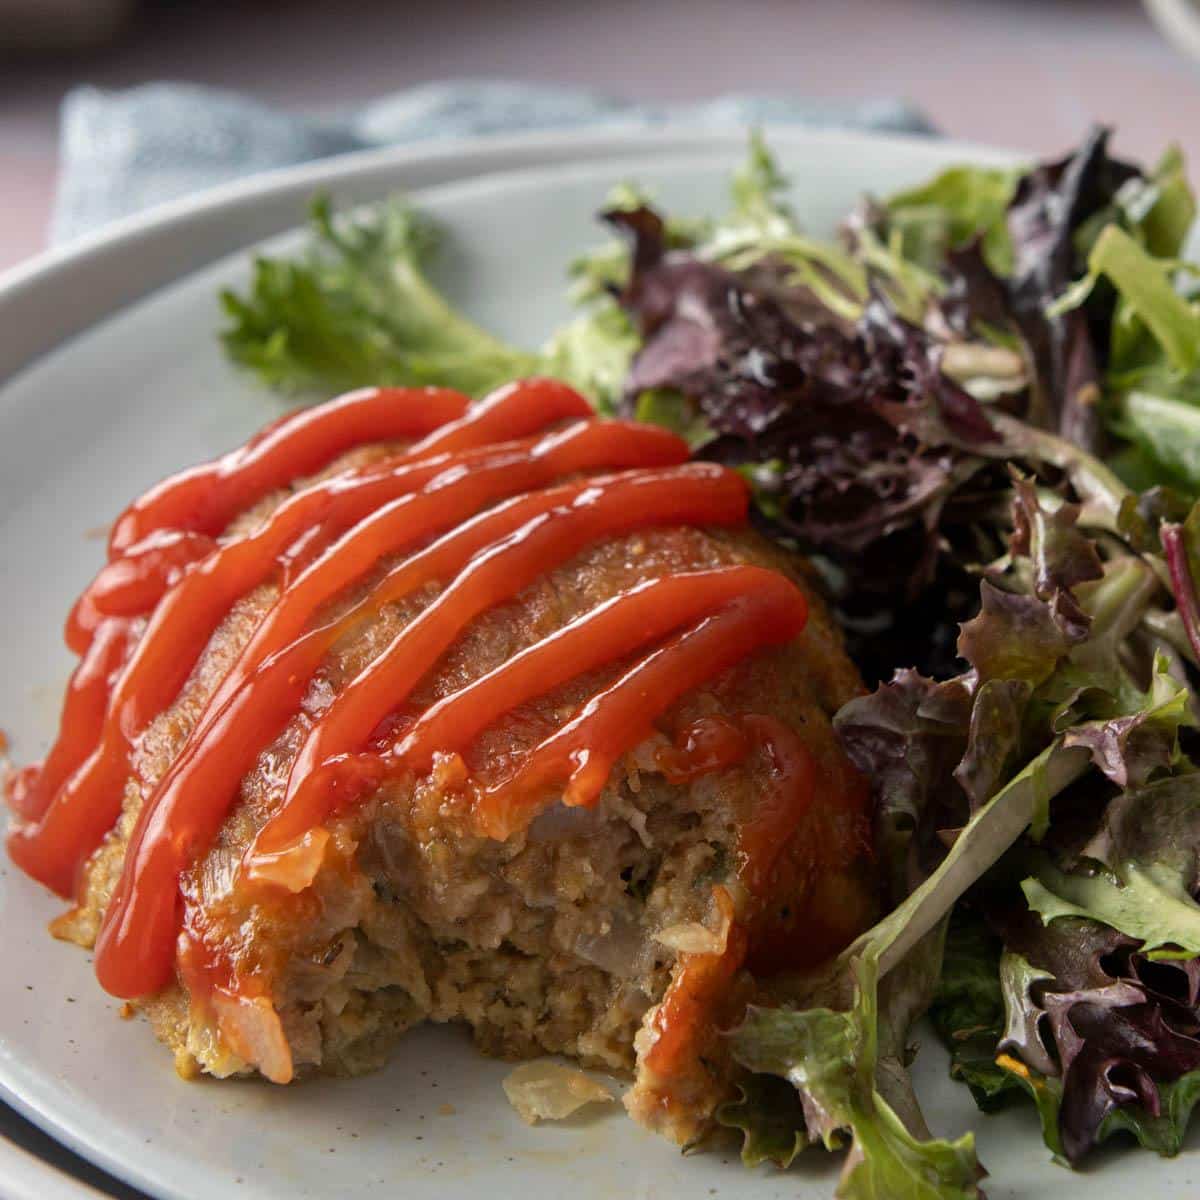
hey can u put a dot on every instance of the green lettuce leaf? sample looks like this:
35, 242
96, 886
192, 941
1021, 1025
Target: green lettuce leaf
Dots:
1140, 734
830, 1058
976, 848
951, 209
676, 413
770, 1119
1014, 637
968, 1010
1146, 900
1167, 431
1162, 208
1145, 286
1164, 1131
846, 1061
761, 226
1147, 846
357, 309
593, 353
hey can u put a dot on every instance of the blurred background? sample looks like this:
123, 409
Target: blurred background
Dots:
1029, 74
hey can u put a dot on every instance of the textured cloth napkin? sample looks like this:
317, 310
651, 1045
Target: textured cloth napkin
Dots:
122, 151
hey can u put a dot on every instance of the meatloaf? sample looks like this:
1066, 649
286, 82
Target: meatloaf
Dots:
623, 927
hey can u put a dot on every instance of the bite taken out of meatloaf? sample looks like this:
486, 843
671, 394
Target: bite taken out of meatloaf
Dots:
516, 723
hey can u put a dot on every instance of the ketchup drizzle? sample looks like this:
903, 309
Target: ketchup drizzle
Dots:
485, 501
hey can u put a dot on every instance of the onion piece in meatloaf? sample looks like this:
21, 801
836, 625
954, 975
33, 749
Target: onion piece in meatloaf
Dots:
625, 933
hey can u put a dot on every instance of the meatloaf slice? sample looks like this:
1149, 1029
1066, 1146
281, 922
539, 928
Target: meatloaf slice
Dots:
562, 939
625, 934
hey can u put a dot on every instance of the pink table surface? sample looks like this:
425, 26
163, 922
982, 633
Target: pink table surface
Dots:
1024, 73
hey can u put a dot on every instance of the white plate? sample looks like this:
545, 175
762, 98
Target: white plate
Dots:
145, 392
27, 1177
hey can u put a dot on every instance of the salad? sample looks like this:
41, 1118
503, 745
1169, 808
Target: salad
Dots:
977, 409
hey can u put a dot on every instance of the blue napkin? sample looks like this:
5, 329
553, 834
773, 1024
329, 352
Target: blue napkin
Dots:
122, 151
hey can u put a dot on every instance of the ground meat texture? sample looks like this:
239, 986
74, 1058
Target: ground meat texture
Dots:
547, 942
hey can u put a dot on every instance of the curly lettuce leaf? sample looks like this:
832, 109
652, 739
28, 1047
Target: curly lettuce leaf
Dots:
758, 197
761, 231
1054, 204
593, 353
1014, 637
769, 1117
1140, 734
1162, 1127
1146, 900
357, 309
996, 738
830, 1058
1133, 274
1147, 290
1107, 1039
852, 434
983, 1007
907, 737
1097, 1036
1062, 555
845, 1061
1139, 872
968, 1010
950, 210
977, 847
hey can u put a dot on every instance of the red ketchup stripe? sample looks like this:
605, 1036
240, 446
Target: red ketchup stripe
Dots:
513, 411
611, 631
136, 582
693, 1006
510, 412
763, 836
470, 507
134, 952
686, 1021
195, 795
700, 494
708, 744
31, 790
206, 498
449, 499
88, 804
575, 762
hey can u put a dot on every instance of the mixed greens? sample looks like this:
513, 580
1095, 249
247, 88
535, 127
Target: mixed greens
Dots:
978, 411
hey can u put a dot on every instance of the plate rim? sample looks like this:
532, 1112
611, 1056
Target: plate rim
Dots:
64, 290
26, 1175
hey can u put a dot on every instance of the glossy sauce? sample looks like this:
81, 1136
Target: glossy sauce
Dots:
700, 1001
487, 501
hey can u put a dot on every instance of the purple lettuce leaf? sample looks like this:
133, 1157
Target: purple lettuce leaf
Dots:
1100, 1036
994, 738
907, 737
1062, 555
1117, 1029
1181, 548
856, 436
1015, 636
1051, 204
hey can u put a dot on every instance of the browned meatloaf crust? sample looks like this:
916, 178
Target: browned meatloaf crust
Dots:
545, 943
